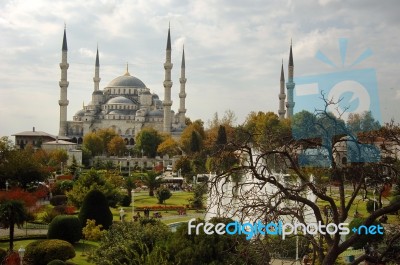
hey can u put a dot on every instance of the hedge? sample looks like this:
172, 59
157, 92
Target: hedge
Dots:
42, 252
65, 227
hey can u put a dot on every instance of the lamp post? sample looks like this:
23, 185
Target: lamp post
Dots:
21, 253
133, 203
129, 166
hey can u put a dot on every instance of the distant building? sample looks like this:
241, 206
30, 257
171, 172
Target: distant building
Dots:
34, 138
126, 104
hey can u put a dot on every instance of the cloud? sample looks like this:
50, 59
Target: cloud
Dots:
233, 50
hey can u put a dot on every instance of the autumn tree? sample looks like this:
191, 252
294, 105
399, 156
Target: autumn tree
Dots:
187, 135
116, 146
168, 147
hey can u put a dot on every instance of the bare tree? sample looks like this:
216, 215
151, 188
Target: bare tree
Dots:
317, 176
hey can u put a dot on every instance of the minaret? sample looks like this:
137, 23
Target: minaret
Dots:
63, 102
182, 93
282, 96
290, 86
167, 103
96, 78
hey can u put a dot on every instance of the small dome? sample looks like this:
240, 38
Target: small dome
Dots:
119, 100
155, 96
126, 81
80, 113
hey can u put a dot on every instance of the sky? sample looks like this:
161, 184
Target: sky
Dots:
233, 49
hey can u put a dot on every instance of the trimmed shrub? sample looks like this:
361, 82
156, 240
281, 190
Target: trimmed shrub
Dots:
3, 253
49, 215
56, 262
95, 207
65, 227
42, 252
126, 201
370, 206
59, 200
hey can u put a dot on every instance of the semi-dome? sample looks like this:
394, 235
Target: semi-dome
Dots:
156, 112
120, 100
127, 80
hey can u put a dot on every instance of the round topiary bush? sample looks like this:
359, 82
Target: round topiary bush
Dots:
95, 207
59, 200
42, 252
56, 262
126, 201
65, 227
370, 206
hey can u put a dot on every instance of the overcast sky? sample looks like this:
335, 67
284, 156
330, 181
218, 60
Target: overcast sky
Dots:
233, 51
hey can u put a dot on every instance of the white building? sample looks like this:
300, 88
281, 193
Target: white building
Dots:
125, 104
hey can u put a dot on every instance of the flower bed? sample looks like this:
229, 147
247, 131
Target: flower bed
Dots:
160, 208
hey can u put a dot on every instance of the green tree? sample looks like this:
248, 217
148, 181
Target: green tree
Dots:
195, 142
186, 136
107, 182
106, 135
148, 140
73, 168
133, 243
19, 167
197, 201
191, 249
221, 137
129, 185
364, 122
163, 194
95, 207
12, 213
151, 181
93, 143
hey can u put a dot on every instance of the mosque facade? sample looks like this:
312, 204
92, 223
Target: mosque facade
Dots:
126, 104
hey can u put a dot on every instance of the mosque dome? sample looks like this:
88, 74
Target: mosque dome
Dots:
120, 100
127, 80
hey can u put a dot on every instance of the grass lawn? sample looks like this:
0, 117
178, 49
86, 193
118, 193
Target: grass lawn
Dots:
142, 199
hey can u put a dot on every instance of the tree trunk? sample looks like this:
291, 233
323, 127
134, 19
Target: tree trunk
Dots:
11, 236
330, 257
